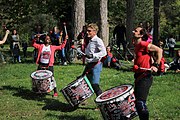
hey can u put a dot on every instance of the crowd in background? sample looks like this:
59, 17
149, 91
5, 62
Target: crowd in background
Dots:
119, 34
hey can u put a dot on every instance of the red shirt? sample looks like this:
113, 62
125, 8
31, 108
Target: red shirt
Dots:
143, 58
53, 49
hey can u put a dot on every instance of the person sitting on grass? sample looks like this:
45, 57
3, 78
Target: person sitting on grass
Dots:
109, 60
175, 64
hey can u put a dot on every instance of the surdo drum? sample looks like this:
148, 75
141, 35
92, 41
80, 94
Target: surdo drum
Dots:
42, 81
77, 91
117, 103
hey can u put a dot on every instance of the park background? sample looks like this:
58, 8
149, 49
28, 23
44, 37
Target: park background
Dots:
17, 100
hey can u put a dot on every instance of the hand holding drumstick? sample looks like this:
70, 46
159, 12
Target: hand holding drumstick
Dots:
152, 69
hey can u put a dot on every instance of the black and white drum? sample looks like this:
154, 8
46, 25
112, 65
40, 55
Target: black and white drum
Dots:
117, 103
77, 91
42, 81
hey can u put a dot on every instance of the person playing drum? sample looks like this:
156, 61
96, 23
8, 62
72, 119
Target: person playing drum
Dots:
144, 78
94, 52
45, 58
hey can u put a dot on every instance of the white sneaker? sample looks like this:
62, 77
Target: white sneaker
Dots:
65, 63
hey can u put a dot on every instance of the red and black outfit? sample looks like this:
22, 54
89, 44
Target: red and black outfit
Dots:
83, 35
143, 78
109, 58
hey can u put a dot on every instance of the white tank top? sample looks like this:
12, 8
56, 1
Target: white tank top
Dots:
45, 54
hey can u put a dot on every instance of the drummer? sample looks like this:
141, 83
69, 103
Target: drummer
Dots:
144, 78
94, 52
45, 58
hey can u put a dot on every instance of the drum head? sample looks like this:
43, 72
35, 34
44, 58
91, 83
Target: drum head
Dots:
115, 94
41, 74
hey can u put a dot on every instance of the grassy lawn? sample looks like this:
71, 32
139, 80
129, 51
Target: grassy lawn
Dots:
17, 100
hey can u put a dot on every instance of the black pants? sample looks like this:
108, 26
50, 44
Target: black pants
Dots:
171, 51
45, 67
143, 82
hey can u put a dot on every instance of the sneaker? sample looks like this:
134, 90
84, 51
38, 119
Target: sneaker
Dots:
55, 95
65, 63
4, 62
96, 109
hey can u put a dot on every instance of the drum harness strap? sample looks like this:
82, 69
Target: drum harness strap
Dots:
90, 68
141, 76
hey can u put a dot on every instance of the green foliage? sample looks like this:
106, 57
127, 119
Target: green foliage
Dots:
24, 14
143, 11
170, 12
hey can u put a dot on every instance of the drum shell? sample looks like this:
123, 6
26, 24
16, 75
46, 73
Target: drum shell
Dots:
77, 91
42, 83
120, 107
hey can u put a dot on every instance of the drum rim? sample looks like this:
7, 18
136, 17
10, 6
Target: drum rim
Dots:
73, 83
33, 77
114, 99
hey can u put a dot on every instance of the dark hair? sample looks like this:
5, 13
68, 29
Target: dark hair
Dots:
144, 33
13, 32
170, 36
177, 53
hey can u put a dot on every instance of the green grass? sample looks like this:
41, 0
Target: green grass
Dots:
17, 100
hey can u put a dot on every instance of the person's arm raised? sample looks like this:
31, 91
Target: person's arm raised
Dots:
5, 37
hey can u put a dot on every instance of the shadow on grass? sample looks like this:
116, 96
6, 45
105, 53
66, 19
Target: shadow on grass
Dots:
58, 106
69, 117
51, 103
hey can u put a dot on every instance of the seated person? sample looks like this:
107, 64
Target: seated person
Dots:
175, 64
109, 60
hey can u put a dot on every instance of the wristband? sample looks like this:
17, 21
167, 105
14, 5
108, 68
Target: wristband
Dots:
156, 64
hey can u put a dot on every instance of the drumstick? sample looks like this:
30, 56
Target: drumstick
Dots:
136, 68
78, 50
65, 28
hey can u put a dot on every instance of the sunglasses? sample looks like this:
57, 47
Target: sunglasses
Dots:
134, 31
89, 30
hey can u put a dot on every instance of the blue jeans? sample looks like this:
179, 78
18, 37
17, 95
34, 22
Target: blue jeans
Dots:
94, 73
108, 59
62, 55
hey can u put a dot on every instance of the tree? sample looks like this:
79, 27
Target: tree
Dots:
130, 18
104, 27
156, 22
78, 16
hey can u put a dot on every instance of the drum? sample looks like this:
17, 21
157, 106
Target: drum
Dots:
117, 103
77, 91
42, 81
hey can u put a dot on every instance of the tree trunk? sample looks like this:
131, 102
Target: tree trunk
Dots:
156, 22
129, 21
104, 27
78, 17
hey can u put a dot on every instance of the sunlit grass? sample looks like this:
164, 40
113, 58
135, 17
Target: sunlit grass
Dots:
18, 102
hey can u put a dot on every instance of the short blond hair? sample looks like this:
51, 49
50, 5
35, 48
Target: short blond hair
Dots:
93, 26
